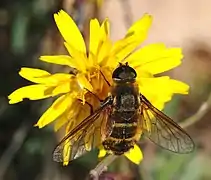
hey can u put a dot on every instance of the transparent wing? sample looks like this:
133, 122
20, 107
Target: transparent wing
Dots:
162, 130
84, 137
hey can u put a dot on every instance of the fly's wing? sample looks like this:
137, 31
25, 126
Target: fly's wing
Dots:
162, 130
84, 137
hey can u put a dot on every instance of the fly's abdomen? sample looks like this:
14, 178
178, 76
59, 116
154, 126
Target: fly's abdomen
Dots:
124, 130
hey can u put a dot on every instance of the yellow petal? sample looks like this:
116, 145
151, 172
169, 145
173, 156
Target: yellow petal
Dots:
112, 62
136, 34
79, 60
148, 116
179, 87
57, 108
60, 122
70, 31
122, 48
140, 27
102, 152
66, 153
67, 147
83, 82
104, 57
32, 92
155, 58
94, 37
104, 30
51, 80
134, 154
61, 60
55, 79
145, 55
69, 116
89, 141
32, 72
165, 89
104, 43
62, 88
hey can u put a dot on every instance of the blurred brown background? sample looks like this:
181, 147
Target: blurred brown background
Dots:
27, 30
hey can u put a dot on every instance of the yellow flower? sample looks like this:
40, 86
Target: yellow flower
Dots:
85, 66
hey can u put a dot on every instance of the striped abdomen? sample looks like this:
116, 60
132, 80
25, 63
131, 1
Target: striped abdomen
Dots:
122, 137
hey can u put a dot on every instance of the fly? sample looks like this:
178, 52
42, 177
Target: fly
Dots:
121, 120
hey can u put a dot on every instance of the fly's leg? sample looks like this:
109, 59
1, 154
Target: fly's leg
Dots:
90, 106
94, 95
105, 79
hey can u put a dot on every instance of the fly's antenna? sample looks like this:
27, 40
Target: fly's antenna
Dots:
120, 64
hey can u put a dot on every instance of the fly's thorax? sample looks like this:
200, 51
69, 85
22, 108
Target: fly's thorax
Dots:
126, 97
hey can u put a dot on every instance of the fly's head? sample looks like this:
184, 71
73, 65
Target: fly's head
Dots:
124, 74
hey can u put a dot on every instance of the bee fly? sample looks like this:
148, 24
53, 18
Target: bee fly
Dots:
121, 119
124, 111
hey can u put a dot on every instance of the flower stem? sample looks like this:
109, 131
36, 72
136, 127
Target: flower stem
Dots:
102, 166
204, 108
